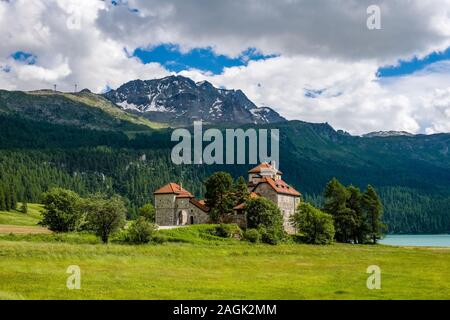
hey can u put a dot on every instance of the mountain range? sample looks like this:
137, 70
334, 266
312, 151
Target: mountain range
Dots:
180, 100
90, 142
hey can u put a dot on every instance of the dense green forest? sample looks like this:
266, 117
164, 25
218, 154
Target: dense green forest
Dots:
411, 174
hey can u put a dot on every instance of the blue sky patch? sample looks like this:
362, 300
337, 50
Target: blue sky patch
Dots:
24, 57
204, 59
117, 3
312, 93
5, 68
413, 65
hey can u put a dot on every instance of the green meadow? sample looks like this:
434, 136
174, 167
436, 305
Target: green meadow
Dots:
190, 263
16, 217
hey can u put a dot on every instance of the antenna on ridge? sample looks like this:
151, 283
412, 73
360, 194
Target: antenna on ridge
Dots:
76, 87
54, 87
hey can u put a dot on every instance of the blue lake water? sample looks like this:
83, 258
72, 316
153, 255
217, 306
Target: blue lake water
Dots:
422, 240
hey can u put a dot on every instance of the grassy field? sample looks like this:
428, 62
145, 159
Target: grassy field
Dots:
17, 222
194, 265
18, 218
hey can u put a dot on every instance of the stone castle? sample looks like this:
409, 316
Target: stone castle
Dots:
176, 206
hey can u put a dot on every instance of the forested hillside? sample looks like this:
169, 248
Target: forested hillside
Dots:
412, 174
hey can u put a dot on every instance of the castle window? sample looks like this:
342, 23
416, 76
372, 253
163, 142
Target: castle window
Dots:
192, 219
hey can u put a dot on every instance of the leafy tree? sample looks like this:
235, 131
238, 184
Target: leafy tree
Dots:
141, 231
104, 215
148, 212
62, 210
262, 211
373, 211
313, 225
219, 195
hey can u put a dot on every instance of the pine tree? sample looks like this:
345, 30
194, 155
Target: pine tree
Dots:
241, 192
219, 196
336, 196
359, 227
2, 199
24, 207
13, 200
373, 211
7, 200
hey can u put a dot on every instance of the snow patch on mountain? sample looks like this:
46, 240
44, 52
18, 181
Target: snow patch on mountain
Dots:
177, 99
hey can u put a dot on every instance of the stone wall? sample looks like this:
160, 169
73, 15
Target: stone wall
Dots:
287, 205
164, 207
177, 211
267, 192
199, 215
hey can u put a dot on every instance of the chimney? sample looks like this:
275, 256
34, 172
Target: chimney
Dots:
181, 185
274, 164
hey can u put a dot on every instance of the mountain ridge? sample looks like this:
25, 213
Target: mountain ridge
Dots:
389, 133
180, 100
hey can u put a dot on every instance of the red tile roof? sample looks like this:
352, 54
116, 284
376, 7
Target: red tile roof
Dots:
173, 188
199, 204
261, 167
279, 186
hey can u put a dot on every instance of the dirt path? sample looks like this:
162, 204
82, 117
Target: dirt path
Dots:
5, 228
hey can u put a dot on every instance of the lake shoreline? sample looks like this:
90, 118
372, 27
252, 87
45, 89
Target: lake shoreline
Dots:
417, 240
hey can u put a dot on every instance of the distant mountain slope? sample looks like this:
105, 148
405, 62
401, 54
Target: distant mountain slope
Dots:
412, 174
85, 140
83, 109
179, 100
387, 134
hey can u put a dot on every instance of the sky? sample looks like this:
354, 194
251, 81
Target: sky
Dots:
313, 60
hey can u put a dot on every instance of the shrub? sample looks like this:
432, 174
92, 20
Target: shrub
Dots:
228, 231
313, 226
159, 239
148, 212
141, 231
271, 235
252, 235
265, 215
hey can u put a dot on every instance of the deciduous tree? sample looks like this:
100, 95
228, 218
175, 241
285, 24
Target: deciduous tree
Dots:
104, 215
61, 210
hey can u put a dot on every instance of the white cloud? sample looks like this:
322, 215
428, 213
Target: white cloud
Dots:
320, 28
69, 47
324, 47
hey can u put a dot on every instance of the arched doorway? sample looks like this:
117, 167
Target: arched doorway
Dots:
182, 218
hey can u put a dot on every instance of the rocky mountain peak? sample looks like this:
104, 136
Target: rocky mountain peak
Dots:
180, 100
